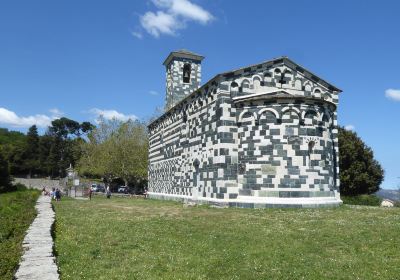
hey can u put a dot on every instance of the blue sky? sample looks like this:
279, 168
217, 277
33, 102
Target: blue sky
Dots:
82, 58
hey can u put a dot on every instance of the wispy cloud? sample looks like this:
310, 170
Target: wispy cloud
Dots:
10, 118
153, 92
137, 34
350, 127
393, 94
56, 113
111, 114
173, 15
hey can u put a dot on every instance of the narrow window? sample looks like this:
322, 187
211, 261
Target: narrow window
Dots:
311, 145
186, 73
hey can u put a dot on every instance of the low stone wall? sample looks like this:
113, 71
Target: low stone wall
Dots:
38, 184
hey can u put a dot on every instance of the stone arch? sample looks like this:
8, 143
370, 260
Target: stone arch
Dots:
267, 117
310, 117
317, 92
307, 87
234, 86
290, 110
288, 75
326, 96
245, 84
287, 108
267, 74
247, 116
257, 82
269, 111
311, 110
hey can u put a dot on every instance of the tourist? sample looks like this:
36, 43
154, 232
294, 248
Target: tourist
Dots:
53, 193
90, 193
58, 195
108, 192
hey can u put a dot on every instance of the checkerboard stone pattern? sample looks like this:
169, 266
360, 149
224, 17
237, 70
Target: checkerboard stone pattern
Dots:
265, 131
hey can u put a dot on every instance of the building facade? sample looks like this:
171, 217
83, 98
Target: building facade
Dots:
260, 136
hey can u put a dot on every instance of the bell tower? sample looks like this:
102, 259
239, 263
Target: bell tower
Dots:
183, 74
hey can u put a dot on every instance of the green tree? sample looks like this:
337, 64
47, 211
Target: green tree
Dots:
360, 173
32, 150
45, 144
13, 145
65, 135
5, 180
116, 149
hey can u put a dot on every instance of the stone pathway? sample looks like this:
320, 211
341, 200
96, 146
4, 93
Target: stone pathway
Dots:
38, 261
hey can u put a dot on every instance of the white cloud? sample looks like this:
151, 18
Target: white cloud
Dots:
186, 9
10, 118
137, 34
153, 92
111, 114
56, 113
160, 23
350, 127
172, 16
393, 94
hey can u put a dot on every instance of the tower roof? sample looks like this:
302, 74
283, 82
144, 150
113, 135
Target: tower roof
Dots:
182, 54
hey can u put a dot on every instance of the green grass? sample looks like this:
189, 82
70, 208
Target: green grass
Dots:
149, 239
16, 214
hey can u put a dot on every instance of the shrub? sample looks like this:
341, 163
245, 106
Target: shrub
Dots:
364, 199
360, 172
17, 211
20, 187
4, 175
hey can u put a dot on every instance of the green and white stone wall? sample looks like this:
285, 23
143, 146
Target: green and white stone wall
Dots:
259, 136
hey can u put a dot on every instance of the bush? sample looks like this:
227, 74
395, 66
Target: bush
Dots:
17, 211
360, 172
14, 188
20, 187
364, 199
5, 180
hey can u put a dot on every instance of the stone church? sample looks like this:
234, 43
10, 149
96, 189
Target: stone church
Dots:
259, 136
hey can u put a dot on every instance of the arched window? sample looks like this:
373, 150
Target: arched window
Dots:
186, 73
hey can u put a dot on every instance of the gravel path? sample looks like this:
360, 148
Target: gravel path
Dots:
38, 261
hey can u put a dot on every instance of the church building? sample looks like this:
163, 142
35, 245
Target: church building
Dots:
264, 135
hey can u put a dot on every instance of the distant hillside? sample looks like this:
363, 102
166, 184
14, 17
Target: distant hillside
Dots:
389, 194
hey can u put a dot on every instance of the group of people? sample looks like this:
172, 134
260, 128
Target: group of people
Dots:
55, 193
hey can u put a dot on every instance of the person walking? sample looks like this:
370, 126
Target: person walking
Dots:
108, 192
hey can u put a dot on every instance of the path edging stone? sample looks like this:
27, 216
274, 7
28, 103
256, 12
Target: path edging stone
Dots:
38, 260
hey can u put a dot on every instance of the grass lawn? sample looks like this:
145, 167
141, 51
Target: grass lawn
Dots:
149, 239
17, 211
